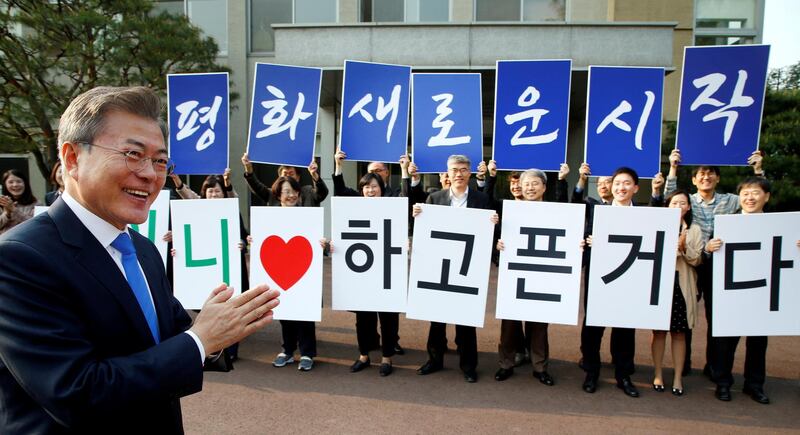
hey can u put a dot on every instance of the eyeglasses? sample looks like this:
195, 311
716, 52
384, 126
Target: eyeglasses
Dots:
288, 193
462, 171
136, 161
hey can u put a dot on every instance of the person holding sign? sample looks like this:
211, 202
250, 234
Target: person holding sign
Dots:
684, 296
753, 195
461, 196
91, 338
310, 196
707, 203
295, 333
370, 186
533, 183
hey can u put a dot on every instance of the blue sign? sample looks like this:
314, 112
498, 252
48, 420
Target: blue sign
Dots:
531, 114
374, 121
283, 121
198, 122
447, 119
623, 119
722, 96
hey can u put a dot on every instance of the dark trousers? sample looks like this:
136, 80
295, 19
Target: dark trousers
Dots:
755, 362
367, 332
466, 343
302, 332
513, 338
623, 343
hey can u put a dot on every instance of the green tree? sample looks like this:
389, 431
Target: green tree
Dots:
51, 51
780, 142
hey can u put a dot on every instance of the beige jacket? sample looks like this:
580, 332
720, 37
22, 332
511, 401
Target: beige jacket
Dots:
687, 276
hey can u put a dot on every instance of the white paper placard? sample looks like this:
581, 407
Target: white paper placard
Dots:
539, 278
450, 265
756, 275
286, 255
639, 294
157, 224
205, 236
370, 254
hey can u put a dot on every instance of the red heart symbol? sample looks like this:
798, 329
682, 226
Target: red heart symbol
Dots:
286, 262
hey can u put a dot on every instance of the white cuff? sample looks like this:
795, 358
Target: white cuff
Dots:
415, 183
199, 346
481, 183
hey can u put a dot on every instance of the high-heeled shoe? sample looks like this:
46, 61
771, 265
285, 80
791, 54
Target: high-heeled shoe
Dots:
677, 391
658, 388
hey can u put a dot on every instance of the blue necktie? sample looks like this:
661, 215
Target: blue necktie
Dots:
136, 280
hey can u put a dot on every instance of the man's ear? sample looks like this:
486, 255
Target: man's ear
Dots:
635, 189
69, 157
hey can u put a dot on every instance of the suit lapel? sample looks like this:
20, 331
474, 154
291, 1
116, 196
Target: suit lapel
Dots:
96, 261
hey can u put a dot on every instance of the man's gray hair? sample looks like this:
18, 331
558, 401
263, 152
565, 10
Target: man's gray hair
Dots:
533, 172
459, 158
84, 117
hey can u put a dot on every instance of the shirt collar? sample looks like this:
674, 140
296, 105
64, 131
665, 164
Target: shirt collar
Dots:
104, 232
459, 198
699, 199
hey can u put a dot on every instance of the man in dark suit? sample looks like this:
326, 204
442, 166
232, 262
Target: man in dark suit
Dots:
91, 338
458, 195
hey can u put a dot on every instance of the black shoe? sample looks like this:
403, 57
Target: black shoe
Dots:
723, 393
359, 365
385, 369
756, 394
659, 388
544, 378
429, 367
503, 374
677, 391
627, 387
471, 376
399, 350
590, 383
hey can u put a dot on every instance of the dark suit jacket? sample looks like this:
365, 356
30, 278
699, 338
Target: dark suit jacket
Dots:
76, 355
51, 197
475, 199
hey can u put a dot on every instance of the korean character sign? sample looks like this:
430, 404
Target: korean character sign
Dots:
375, 104
721, 102
370, 254
633, 267
447, 119
531, 114
283, 117
449, 277
198, 118
623, 119
157, 224
756, 275
286, 255
540, 266
205, 236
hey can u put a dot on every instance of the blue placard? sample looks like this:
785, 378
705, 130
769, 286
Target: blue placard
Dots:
623, 119
531, 114
198, 122
374, 121
283, 120
722, 97
447, 119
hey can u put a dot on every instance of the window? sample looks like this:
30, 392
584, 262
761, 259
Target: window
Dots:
727, 22
211, 16
265, 13
520, 10
722, 40
408, 11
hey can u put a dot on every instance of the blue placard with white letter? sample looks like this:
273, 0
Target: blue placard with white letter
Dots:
722, 97
198, 122
374, 121
531, 114
283, 120
447, 119
623, 119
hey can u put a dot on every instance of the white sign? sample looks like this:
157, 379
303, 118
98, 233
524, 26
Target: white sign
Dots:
539, 278
450, 265
756, 275
370, 254
39, 209
157, 224
633, 267
286, 255
205, 236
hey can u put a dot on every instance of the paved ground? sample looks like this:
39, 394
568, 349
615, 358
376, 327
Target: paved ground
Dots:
257, 398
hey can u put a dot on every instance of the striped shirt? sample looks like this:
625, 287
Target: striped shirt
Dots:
703, 212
